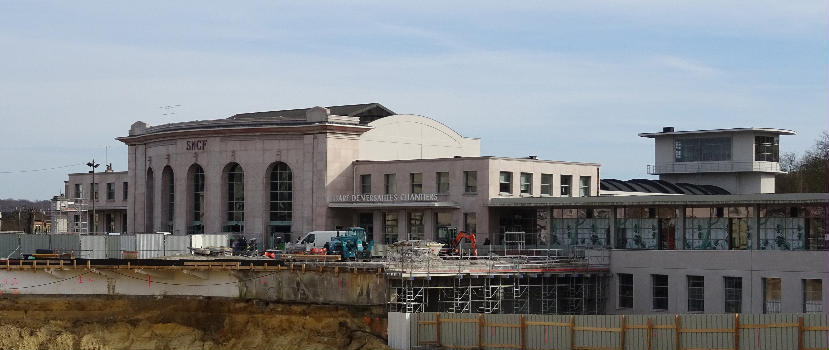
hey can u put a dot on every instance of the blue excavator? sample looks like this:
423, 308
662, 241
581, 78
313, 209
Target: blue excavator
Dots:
351, 244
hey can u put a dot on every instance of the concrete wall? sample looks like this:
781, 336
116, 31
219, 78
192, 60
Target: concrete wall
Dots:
414, 137
537, 167
456, 201
312, 287
752, 265
741, 175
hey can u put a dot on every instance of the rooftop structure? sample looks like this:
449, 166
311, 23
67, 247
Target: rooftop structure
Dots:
740, 160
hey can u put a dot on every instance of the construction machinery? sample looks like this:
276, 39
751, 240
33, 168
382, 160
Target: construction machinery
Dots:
453, 248
350, 244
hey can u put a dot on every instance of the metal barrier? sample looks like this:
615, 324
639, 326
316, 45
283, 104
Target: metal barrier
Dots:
651, 332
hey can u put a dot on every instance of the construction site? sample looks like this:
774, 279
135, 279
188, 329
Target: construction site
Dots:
518, 281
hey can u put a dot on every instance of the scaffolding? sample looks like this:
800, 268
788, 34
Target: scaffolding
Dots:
497, 285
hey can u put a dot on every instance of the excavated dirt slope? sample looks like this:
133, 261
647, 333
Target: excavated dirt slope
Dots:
106, 322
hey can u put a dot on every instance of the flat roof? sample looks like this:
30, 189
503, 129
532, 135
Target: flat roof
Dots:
525, 159
99, 173
660, 200
713, 131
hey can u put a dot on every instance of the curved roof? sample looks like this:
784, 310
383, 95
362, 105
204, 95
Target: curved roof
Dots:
409, 136
659, 186
366, 112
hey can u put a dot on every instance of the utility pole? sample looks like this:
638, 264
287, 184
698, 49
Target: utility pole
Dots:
92, 192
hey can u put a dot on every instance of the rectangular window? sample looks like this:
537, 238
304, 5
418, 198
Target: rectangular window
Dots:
389, 228
126, 190
110, 191
365, 184
469, 223
442, 182
526, 183
696, 294
470, 181
417, 182
390, 183
733, 295
78, 193
812, 295
443, 221
772, 295
702, 149
416, 225
94, 191
625, 290
584, 186
505, 180
766, 149
660, 291
366, 221
546, 184
566, 181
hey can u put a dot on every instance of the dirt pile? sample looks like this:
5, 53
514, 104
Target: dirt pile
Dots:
105, 322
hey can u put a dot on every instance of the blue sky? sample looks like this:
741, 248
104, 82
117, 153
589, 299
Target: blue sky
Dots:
569, 81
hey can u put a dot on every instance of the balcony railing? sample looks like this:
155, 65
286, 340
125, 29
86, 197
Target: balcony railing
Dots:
712, 167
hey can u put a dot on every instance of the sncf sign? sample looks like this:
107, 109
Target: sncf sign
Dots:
196, 145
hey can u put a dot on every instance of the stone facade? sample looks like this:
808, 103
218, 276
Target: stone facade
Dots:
327, 155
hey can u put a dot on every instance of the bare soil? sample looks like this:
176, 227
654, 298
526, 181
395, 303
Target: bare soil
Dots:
122, 322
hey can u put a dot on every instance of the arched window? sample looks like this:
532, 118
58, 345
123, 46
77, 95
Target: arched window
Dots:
281, 201
149, 201
168, 197
196, 208
235, 198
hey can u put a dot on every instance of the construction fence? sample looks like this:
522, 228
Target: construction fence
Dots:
142, 246
609, 332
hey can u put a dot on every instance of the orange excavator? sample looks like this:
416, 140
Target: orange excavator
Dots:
461, 235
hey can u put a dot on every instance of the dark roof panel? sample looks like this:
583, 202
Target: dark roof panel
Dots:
367, 112
659, 186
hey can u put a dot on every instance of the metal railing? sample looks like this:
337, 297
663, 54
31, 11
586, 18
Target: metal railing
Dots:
714, 167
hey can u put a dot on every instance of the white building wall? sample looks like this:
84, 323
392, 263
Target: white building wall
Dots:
414, 137
751, 265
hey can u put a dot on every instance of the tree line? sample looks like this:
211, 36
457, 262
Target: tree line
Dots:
808, 173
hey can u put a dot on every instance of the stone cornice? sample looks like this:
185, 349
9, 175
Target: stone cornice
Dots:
305, 129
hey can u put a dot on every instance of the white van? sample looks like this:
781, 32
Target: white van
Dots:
317, 239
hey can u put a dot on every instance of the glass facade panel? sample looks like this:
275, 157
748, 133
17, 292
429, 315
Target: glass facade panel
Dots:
390, 183
659, 291
235, 199
733, 294
470, 181
702, 149
197, 223
365, 184
417, 182
566, 185
281, 197
442, 182
527, 183
584, 186
812, 295
625, 290
766, 149
505, 182
546, 184
772, 295
389, 228
696, 294
416, 225
470, 223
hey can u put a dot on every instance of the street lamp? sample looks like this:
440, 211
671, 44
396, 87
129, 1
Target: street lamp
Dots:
92, 192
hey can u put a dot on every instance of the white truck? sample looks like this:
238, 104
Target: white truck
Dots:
318, 239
